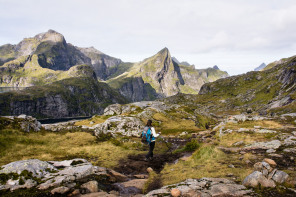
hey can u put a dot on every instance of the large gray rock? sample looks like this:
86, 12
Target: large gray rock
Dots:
129, 126
290, 141
23, 122
256, 178
111, 110
280, 176
275, 144
36, 167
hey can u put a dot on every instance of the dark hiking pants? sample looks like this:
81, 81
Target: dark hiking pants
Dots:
151, 148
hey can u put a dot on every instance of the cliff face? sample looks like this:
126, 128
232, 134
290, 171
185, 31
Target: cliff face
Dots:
53, 52
103, 65
66, 98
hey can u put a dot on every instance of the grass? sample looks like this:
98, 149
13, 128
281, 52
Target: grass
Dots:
207, 161
174, 124
95, 119
15, 145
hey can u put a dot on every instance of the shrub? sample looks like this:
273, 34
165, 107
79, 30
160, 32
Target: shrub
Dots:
191, 146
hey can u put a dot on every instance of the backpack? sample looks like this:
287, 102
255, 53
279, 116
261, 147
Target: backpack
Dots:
146, 135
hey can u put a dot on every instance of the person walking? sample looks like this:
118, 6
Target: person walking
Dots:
151, 142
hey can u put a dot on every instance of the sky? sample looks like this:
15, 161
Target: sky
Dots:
236, 35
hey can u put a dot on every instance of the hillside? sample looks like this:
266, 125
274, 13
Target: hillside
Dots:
265, 92
71, 97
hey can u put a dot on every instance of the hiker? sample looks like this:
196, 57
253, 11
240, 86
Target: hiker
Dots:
151, 139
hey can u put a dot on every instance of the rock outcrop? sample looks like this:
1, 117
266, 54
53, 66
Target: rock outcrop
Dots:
203, 187
266, 175
76, 176
22, 122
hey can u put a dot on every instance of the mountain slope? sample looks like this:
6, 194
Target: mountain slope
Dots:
70, 97
162, 76
26, 71
265, 92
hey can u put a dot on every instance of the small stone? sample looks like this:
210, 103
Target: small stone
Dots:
141, 176
247, 161
60, 190
149, 169
238, 143
258, 166
271, 151
76, 192
270, 162
231, 166
175, 192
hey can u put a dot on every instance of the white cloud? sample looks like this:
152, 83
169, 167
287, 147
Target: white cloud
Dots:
130, 29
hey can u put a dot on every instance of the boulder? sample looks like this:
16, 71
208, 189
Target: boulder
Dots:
38, 168
112, 110
117, 176
90, 187
270, 162
136, 183
128, 126
280, 176
252, 180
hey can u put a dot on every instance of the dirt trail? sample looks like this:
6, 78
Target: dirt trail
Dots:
135, 164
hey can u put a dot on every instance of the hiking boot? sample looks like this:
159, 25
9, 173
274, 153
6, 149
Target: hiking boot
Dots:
145, 159
150, 158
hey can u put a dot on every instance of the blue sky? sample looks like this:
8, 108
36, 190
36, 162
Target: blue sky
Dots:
236, 35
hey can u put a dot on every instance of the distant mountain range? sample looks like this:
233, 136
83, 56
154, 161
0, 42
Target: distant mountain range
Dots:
65, 81
47, 57
262, 66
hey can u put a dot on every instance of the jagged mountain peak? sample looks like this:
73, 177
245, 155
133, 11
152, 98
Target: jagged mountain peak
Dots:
262, 66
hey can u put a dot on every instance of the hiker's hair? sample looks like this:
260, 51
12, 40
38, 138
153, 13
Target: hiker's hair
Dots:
149, 123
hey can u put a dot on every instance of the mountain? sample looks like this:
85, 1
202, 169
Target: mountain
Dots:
266, 92
47, 57
50, 50
26, 71
71, 97
162, 76
262, 66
